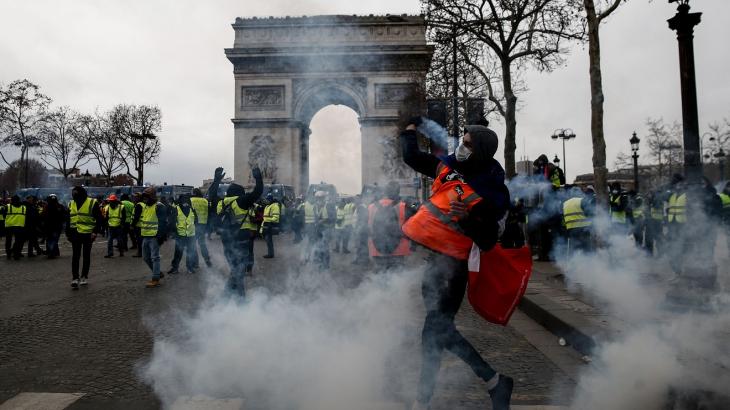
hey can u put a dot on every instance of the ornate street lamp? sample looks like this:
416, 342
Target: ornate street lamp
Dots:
720, 155
564, 134
635, 150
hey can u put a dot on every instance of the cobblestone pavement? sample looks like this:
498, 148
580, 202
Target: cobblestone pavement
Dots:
92, 341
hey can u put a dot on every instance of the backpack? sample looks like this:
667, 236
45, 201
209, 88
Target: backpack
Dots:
386, 232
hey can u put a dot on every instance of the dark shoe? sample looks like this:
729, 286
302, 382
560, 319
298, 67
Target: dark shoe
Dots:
121, 254
31, 255
208, 263
502, 393
152, 283
173, 271
136, 256
162, 275
75, 284
346, 251
268, 256
108, 256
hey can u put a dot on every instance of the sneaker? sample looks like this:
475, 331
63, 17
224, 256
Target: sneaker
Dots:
173, 271
152, 283
502, 393
75, 284
83, 282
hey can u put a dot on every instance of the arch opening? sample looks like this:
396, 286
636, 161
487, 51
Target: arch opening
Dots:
335, 148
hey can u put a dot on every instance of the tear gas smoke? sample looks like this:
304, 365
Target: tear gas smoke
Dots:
658, 349
434, 132
314, 346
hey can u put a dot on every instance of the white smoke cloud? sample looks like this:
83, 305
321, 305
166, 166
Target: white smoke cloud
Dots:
317, 345
659, 349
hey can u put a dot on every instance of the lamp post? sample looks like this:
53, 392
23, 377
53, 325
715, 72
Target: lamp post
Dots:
564, 134
702, 143
720, 156
635, 155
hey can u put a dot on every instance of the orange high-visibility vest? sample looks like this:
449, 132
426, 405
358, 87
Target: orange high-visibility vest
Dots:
404, 246
432, 226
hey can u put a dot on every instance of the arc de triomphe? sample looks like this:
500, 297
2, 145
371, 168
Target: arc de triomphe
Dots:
286, 69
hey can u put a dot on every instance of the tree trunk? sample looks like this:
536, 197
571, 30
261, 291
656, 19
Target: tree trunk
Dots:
510, 144
600, 173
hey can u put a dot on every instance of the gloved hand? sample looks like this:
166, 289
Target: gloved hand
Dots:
458, 210
219, 174
417, 120
256, 172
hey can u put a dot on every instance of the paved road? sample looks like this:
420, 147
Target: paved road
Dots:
92, 341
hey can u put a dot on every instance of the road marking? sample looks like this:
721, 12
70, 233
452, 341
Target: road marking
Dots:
41, 401
206, 403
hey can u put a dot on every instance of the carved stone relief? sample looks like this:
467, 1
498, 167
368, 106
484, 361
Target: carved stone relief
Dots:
262, 153
392, 164
262, 98
391, 95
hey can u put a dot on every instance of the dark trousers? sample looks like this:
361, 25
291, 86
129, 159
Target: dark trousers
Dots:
579, 239
653, 235
14, 248
200, 233
239, 259
32, 237
80, 242
248, 237
443, 288
52, 244
185, 244
362, 254
342, 239
269, 238
114, 232
137, 232
123, 243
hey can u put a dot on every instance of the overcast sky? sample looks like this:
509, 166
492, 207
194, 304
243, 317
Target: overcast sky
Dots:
89, 54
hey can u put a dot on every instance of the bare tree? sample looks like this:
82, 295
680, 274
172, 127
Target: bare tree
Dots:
104, 143
517, 34
63, 145
21, 112
596, 12
139, 145
665, 146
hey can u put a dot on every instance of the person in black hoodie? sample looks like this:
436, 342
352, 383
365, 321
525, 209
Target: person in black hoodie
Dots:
467, 204
53, 219
82, 226
235, 225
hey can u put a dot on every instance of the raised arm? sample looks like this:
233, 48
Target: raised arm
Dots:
420, 161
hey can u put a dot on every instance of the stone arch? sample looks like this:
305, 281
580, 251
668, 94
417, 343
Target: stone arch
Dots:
286, 69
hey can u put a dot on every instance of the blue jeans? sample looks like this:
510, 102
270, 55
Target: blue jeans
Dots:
52, 243
114, 232
151, 255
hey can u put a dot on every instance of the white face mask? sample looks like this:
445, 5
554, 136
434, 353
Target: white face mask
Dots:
462, 152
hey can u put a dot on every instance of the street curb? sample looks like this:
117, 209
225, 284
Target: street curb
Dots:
578, 331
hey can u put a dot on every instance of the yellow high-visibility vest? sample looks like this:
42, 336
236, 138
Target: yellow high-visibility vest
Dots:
308, 212
129, 211
272, 213
573, 215
81, 218
677, 209
185, 223
148, 220
201, 209
340, 222
617, 216
350, 214
240, 215
114, 215
2, 214
15, 217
